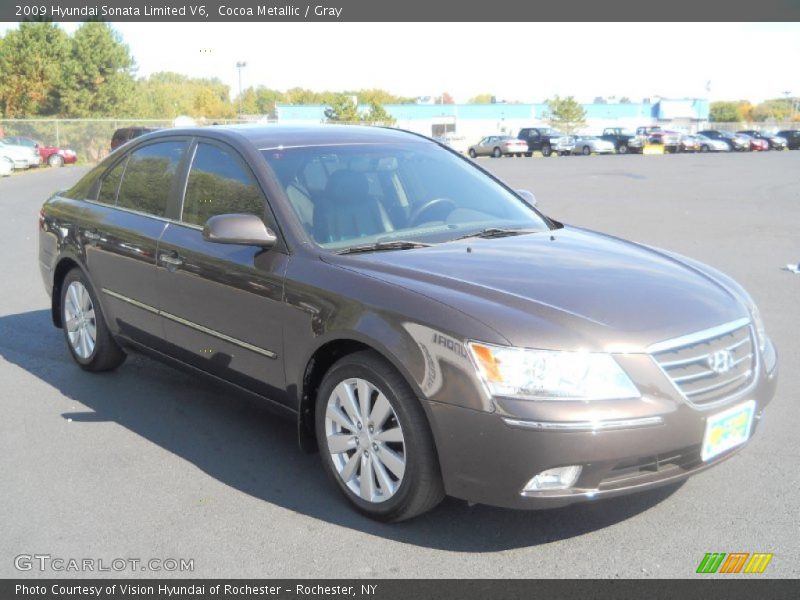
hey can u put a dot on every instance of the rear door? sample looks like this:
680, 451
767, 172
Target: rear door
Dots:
121, 239
223, 304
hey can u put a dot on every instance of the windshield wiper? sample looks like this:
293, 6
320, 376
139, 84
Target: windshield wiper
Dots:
493, 232
377, 246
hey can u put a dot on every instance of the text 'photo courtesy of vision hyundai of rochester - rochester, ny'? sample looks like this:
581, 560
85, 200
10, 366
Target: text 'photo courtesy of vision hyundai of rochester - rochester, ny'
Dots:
427, 329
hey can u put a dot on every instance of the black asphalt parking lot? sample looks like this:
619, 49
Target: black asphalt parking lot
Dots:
148, 462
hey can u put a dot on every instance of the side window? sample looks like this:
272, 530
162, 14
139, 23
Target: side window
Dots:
149, 177
219, 183
110, 184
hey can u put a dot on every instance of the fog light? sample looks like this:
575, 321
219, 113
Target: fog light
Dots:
560, 478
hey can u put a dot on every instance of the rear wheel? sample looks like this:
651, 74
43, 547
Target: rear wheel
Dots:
88, 338
375, 441
497, 153
586, 151
623, 149
704, 148
546, 150
55, 160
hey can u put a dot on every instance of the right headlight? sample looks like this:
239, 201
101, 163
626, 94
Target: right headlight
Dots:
550, 375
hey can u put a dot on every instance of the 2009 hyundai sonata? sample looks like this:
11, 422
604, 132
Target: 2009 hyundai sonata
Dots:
426, 327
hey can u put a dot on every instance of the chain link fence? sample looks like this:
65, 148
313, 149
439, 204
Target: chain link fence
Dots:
90, 138
765, 126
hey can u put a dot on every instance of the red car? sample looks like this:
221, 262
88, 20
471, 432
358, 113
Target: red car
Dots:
756, 144
52, 155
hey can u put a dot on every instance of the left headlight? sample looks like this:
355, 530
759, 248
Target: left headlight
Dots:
550, 375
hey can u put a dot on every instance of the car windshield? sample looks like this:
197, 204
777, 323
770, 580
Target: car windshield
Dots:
360, 194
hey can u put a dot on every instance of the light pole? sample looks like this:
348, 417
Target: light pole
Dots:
240, 65
788, 93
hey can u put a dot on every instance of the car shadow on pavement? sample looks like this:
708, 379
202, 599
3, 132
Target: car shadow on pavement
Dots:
251, 450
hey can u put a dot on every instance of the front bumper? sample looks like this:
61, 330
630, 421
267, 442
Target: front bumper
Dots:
488, 458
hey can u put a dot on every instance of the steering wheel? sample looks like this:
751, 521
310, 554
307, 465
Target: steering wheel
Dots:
415, 215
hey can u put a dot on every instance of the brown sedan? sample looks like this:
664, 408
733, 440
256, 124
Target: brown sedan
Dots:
422, 323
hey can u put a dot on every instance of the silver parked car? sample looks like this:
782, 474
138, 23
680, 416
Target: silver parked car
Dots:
22, 156
497, 146
710, 145
591, 144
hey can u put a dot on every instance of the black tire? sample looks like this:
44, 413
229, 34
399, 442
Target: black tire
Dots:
586, 151
472, 153
106, 354
421, 487
529, 154
546, 150
623, 149
704, 148
55, 160
497, 153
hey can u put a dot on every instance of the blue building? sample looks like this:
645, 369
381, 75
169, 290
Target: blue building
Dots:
469, 122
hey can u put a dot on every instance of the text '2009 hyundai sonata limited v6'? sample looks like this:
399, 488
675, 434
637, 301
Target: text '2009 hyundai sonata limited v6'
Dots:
426, 327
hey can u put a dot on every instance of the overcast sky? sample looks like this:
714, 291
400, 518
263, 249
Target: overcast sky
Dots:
750, 61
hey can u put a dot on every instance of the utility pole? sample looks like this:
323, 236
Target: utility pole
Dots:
240, 65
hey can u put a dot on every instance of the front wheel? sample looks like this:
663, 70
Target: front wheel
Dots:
88, 338
587, 151
623, 149
375, 440
704, 148
472, 153
55, 160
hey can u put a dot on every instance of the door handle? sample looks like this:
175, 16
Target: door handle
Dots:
169, 259
91, 236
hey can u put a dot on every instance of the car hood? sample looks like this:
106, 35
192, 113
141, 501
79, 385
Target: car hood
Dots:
565, 289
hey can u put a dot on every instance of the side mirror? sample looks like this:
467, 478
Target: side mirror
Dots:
247, 230
527, 196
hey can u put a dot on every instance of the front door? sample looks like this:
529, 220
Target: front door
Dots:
222, 303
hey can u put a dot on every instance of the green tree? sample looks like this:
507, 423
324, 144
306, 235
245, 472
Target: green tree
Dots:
342, 109
98, 78
724, 111
377, 114
481, 99
379, 96
776, 109
168, 95
565, 113
32, 60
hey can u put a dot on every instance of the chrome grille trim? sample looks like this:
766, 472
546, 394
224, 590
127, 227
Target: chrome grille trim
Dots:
686, 361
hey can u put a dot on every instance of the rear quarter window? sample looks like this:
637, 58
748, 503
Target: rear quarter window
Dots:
85, 189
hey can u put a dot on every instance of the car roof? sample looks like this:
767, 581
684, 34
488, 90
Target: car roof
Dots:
272, 136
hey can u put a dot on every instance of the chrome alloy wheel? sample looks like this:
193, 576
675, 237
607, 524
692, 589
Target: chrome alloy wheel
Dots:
365, 440
80, 320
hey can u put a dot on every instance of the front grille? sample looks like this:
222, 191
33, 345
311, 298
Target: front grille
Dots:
710, 368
